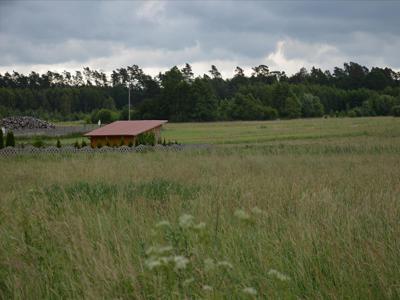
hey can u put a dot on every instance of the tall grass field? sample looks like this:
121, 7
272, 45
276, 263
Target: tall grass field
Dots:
273, 210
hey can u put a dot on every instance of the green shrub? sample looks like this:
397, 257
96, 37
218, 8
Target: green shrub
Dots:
355, 112
83, 143
291, 108
146, 138
38, 143
104, 115
270, 113
396, 110
58, 144
10, 140
311, 106
76, 145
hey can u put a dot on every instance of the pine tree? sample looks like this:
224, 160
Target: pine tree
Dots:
1, 140
10, 140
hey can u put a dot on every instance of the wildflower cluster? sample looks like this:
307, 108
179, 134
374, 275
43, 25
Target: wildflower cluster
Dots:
173, 260
243, 215
177, 261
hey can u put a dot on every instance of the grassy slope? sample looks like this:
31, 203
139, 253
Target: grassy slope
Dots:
327, 218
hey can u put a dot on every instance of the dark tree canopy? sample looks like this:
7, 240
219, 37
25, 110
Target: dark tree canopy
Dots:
177, 95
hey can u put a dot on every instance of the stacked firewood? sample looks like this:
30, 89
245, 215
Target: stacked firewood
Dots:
15, 123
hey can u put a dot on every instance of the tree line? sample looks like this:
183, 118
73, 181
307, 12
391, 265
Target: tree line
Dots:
179, 96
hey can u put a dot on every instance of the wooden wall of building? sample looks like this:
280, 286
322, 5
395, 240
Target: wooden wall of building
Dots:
118, 140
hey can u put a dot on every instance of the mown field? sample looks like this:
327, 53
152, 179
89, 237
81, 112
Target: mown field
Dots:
280, 210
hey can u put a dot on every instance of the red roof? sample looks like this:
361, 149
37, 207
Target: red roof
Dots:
127, 128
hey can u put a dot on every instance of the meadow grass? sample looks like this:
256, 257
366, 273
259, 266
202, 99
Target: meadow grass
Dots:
286, 219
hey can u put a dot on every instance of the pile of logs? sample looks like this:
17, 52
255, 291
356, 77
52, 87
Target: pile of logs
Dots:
16, 123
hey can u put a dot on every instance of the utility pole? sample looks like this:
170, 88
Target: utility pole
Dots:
129, 102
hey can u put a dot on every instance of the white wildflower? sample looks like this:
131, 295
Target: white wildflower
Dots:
150, 250
158, 250
152, 263
209, 264
180, 262
278, 275
166, 259
163, 224
250, 291
185, 221
257, 211
188, 281
225, 264
200, 226
207, 288
241, 214
161, 250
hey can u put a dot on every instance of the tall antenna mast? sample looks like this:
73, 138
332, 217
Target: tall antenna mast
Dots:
129, 102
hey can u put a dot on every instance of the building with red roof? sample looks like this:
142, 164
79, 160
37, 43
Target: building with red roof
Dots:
124, 132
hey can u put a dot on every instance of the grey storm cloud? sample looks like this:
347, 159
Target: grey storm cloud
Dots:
157, 35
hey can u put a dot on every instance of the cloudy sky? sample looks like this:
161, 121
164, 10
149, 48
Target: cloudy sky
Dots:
105, 35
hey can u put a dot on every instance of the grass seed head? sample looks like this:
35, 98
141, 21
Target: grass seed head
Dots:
163, 223
257, 211
188, 281
250, 291
186, 221
152, 263
158, 250
200, 226
225, 264
208, 288
180, 262
242, 215
209, 264
278, 275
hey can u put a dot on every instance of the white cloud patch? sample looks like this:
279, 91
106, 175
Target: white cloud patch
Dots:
151, 10
291, 55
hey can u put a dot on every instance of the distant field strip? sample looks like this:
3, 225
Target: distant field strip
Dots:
266, 131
